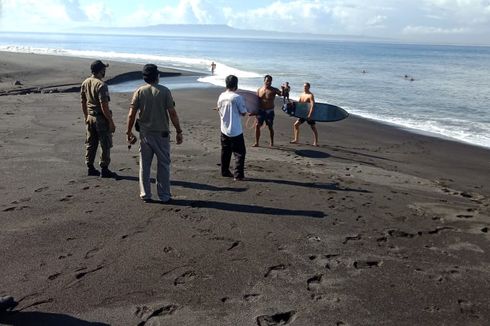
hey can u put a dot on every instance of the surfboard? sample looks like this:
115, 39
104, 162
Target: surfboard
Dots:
322, 112
251, 100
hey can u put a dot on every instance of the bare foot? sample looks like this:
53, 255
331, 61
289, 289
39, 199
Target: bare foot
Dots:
315, 144
271, 145
294, 141
255, 145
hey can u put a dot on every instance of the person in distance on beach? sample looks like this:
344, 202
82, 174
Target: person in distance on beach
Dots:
95, 99
213, 67
231, 107
267, 95
285, 91
306, 97
155, 105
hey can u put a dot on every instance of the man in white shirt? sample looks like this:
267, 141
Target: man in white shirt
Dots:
231, 107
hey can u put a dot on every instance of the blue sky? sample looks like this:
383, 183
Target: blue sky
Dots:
454, 21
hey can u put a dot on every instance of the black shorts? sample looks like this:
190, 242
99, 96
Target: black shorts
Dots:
267, 116
310, 122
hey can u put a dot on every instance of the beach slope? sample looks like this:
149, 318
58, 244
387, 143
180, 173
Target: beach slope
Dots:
376, 226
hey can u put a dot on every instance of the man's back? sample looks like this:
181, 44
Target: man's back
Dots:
231, 106
153, 101
94, 91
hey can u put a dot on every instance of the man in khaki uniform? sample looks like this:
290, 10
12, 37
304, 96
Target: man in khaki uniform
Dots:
95, 99
156, 107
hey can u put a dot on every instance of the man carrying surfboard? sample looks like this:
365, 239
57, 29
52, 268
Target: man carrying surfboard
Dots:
231, 107
306, 97
267, 95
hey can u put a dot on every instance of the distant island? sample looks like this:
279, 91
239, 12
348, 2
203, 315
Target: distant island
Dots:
215, 30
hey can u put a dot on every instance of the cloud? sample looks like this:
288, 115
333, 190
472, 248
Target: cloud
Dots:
313, 16
73, 10
425, 30
185, 12
98, 12
49, 15
463, 12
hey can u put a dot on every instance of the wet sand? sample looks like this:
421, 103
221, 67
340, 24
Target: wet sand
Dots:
376, 226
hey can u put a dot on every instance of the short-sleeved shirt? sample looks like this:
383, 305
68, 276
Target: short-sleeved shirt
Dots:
231, 106
94, 91
153, 102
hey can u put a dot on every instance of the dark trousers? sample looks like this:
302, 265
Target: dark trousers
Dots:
235, 145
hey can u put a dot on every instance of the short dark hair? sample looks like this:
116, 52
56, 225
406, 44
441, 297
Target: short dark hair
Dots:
231, 82
267, 76
97, 66
308, 84
150, 73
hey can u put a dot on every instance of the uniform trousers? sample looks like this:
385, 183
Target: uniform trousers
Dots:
155, 145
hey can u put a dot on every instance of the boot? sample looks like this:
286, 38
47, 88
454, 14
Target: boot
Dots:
106, 173
92, 171
7, 303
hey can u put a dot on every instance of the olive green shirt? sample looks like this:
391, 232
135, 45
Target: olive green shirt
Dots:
94, 91
153, 102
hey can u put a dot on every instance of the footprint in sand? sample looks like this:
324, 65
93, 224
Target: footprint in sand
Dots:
400, 234
274, 271
284, 318
66, 198
91, 253
185, 278
314, 283
352, 238
363, 264
252, 297
467, 308
145, 313
54, 276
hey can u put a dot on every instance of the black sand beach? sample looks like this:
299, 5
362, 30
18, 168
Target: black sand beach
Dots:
377, 226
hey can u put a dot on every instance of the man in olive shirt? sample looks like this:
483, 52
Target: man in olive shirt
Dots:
155, 105
94, 96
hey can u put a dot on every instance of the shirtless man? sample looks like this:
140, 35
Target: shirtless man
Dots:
267, 95
306, 97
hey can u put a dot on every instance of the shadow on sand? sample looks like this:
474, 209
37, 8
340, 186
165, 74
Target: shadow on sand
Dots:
311, 153
317, 185
186, 184
245, 208
21, 318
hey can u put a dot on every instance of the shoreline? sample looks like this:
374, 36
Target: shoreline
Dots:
118, 73
375, 226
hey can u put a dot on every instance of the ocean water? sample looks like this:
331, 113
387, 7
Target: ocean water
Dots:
446, 93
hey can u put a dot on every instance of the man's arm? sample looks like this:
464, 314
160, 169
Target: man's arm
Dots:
83, 101
130, 124
175, 121
242, 109
312, 106
84, 109
108, 115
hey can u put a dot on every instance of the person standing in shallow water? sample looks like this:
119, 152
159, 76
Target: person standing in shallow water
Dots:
306, 97
95, 99
231, 107
155, 105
